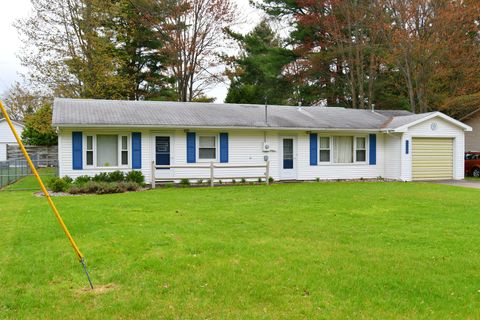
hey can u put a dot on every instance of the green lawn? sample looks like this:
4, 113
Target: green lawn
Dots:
291, 251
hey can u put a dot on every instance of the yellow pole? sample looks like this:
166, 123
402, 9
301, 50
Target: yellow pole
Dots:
45, 191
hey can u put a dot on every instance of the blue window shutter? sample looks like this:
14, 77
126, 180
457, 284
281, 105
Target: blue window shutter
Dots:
77, 153
373, 148
313, 149
136, 150
191, 148
224, 147
407, 147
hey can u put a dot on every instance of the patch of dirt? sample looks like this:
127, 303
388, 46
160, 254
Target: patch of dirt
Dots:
97, 289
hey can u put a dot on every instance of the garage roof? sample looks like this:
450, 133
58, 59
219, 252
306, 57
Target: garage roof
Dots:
120, 113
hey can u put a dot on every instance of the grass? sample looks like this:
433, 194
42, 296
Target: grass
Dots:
296, 251
29, 182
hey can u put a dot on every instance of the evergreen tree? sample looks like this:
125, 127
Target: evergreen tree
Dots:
257, 75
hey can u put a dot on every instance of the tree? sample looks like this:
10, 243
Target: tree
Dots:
38, 129
256, 75
21, 101
92, 49
195, 37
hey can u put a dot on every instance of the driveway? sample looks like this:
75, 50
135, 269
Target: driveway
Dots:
460, 183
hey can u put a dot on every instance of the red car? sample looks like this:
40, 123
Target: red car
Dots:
472, 163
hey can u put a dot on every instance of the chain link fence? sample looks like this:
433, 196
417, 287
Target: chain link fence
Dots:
13, 170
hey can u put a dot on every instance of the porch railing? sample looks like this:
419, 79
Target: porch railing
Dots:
213, 174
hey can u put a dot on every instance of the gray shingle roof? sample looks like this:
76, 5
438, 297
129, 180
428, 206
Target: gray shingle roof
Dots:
84, 112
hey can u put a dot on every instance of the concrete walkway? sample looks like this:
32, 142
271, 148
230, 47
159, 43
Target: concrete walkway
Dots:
460, 183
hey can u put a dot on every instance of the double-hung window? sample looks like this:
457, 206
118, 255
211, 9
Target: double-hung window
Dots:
324, 149
207, 147
89, 151
343, 149
107, 150
360, 149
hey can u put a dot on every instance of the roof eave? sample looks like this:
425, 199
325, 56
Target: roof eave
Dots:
99, 126
405, 127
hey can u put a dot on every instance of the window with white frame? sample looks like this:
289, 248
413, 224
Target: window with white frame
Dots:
107, 150
360, 149
124, 150
207, 147
343, 149
89, 151
324, 149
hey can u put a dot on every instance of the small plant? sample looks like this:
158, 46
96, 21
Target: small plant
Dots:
317, 179
184, 182
169, 185
270, 180
220, 182
234, 181
58, 185
209, 181
81, 180
135, 176
200, 181
243, 180
259, 180
116, 176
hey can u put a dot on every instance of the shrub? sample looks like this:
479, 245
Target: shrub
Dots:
234, 181
135, 176
67, 179
168, 185
270, 180
101, 177
259, 180
209, 181
81, 180
58, 185
184, 182
75, 189
317, 179
200, 181
116, 176
243, 180
220, 182
129, 186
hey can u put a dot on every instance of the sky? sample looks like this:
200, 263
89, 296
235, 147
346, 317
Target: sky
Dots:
11, 69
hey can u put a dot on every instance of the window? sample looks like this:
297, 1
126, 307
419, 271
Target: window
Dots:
89, 151
324, 149
343, 149
107, 150
207, 148
124, 151
360, 149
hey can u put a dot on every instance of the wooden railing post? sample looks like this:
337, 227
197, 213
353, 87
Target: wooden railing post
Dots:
212, 176
267, 172
153, 169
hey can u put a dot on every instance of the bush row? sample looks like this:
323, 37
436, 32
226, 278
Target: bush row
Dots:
113, 182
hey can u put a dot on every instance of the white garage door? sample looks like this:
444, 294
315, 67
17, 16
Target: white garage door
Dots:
432, 158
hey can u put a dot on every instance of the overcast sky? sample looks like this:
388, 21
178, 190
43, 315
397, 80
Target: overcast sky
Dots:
10, 68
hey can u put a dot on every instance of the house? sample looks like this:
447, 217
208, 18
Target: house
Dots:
7, 137
299, 143
472, 138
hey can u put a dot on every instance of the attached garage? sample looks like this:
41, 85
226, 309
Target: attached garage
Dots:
432, 158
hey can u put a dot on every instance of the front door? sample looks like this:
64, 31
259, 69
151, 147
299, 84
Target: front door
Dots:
162, 155
288, 165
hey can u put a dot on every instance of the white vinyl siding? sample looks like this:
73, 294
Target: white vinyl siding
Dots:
246, 147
